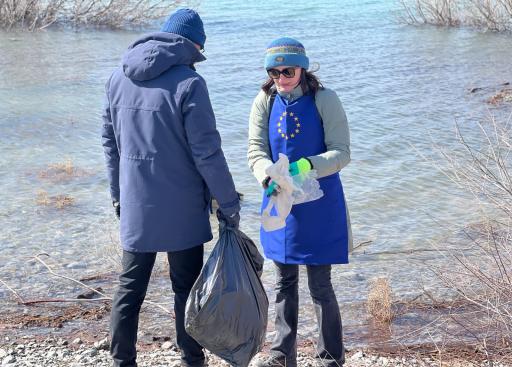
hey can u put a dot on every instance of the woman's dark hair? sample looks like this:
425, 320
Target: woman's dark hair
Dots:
309, 83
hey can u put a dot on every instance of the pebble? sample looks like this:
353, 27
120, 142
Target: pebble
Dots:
167, 345
8, 360
51, 354
357, 355
103, 344
76, 265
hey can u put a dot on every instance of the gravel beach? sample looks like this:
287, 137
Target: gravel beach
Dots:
74, 353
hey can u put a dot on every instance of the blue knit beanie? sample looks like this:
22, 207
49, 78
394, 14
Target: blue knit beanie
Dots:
186, 23
286, 52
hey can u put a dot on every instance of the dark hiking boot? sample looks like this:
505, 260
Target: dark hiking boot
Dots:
274, 361
204, 363
184, 364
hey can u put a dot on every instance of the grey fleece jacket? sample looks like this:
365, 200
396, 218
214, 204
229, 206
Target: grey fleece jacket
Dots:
337, 137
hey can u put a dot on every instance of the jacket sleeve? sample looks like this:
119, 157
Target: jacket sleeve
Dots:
258, 153
110, 148
337, 135
205, 144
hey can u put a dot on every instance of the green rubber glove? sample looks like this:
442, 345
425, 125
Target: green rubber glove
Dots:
301, 166
271, 189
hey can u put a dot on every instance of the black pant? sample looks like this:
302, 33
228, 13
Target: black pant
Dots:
184, 268
330, 344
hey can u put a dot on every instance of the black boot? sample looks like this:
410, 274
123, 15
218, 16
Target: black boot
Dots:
274, 361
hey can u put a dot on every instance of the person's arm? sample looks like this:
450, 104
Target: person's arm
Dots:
258, 153
205, 143
110, 148
337, 136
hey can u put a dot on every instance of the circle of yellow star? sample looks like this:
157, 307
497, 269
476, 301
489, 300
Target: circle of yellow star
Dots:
282, 131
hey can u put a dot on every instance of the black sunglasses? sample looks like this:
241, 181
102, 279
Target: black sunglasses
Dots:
287, 73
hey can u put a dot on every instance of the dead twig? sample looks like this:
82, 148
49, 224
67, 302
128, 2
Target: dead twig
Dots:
94, 290
20, 298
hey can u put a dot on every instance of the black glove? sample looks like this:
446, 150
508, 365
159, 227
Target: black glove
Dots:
117, 208
271, 187
266, 182
232, 221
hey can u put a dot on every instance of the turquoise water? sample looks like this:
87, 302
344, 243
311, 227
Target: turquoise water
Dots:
402, 88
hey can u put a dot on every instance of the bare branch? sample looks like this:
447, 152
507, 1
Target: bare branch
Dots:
40, 14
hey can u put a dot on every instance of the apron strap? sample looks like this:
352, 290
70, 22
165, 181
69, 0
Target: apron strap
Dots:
273, 99
271, 103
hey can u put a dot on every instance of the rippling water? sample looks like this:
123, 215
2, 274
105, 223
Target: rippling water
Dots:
401, 87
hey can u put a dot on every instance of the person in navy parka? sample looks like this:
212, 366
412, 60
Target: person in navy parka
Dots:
164, 161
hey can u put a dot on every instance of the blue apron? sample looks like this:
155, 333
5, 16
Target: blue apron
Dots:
316, 232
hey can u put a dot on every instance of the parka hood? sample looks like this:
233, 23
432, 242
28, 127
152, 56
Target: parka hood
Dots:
155, 53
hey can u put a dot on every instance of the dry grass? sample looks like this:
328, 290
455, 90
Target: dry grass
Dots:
63, 172
39, 14
435, 12
503, 96
493, 15
43, 198
62, 201
380, 301
60, 171
482, 275
58, 201
65, 167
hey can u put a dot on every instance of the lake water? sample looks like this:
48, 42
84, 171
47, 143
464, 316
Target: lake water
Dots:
402, 88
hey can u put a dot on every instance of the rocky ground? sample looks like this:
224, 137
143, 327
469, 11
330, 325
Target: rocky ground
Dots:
75, 353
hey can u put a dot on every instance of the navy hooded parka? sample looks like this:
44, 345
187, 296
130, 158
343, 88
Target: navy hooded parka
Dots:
162, 147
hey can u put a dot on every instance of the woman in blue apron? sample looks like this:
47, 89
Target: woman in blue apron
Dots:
295, 115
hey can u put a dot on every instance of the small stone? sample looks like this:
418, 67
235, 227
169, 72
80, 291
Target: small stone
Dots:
77, 341
93, 352
77, 265
102, 344
62, 342
3, 353
51, 354
167, 345
8, 360
357, 355
384, 361
63, 353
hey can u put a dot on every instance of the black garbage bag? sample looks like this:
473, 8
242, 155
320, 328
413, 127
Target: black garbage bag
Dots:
227, 308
